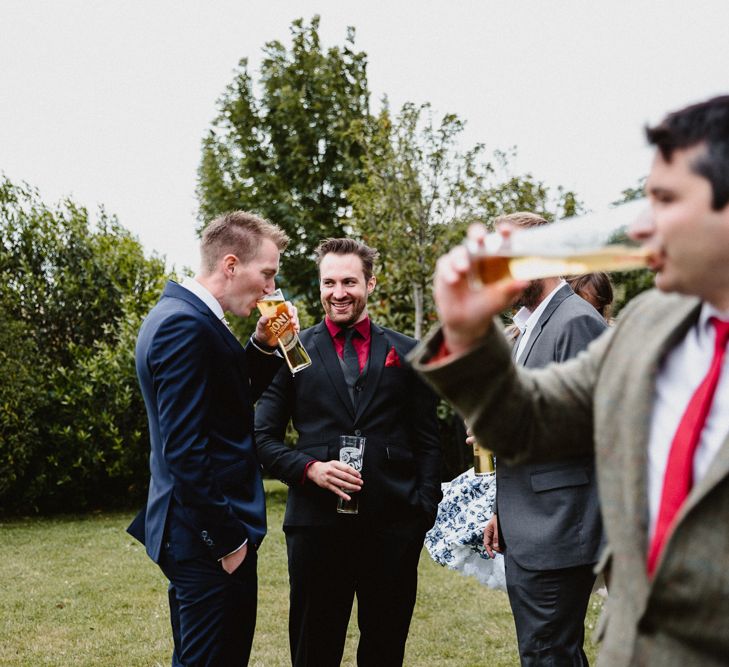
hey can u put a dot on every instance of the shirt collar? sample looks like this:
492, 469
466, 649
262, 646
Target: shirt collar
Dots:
705, 328
202, 293
362, 327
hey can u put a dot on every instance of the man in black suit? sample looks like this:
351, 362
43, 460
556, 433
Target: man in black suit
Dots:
375, 553
548, 516
205, 514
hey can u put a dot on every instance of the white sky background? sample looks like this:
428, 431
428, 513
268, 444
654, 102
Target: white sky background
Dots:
107, 102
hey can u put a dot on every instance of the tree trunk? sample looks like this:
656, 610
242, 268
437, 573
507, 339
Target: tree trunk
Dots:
418, 302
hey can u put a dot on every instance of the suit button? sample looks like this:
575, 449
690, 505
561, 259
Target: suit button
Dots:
209, 542
167, 545
204, 534
357, 432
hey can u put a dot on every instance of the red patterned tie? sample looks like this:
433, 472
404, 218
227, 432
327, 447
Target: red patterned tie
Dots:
678, 479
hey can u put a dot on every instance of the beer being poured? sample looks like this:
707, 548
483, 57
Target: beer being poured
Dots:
593, 242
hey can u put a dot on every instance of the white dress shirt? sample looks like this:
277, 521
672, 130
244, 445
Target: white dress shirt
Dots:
526, 319
681, 372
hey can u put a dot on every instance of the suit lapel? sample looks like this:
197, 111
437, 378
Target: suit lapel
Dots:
378, 352
553, 304
324, 346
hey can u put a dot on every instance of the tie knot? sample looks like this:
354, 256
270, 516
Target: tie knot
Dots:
349, 333
722, 331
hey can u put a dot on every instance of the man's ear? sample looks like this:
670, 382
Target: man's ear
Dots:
371, 285
230, 263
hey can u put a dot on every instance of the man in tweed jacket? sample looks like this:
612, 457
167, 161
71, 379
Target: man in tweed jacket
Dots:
625, 397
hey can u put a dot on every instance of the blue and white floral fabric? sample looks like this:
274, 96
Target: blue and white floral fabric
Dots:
456, 539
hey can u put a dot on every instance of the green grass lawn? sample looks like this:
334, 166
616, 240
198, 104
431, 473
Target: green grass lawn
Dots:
80, 591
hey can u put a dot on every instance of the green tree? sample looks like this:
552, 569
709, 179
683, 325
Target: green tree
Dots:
73, 294
420, 192
291, 152
629, 284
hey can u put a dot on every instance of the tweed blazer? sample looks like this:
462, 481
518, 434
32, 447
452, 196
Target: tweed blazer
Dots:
603, 399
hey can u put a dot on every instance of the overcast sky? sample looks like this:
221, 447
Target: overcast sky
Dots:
107, 101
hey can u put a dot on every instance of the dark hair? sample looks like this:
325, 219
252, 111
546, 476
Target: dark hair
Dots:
602, 290
348, 247
239, 233
704, 123
521, 219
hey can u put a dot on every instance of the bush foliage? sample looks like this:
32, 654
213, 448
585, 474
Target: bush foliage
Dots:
72, 295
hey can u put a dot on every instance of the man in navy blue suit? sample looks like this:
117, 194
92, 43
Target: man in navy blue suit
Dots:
205, 514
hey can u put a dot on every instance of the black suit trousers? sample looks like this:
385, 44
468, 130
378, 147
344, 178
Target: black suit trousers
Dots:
213, 613
328, 566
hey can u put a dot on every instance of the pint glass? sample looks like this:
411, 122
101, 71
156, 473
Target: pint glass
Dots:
274, 307
483, 460
584, 244
351, 452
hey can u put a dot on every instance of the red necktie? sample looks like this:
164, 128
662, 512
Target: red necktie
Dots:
678, 479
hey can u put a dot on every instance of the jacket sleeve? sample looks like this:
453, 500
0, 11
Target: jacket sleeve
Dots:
262, 368
426, 434
179, 365
273, 412
532, 414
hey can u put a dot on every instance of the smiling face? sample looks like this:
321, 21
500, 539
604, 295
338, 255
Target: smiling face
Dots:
247, 283
689, 240
343, 288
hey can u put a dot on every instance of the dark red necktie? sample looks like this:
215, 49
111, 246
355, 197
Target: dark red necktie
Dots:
678, 479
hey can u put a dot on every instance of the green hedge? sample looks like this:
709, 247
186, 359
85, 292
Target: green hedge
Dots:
73, 432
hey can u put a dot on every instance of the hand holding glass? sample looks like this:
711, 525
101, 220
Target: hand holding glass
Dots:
274, 307
351, 452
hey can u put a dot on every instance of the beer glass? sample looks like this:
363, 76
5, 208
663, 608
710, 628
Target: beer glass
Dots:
351, 452
584, 244
274, 307
483, 460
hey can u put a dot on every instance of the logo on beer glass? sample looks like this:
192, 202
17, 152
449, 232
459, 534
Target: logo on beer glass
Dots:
274, 307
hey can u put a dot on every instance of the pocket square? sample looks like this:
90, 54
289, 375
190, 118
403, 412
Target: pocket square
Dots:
392, 360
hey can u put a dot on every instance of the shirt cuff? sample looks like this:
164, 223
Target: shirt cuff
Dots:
441, 353
306, 470
234, 551
271, 351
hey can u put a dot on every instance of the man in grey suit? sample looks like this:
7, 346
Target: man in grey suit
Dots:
650, 396
548, 513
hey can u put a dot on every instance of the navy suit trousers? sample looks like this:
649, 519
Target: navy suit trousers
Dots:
213, 613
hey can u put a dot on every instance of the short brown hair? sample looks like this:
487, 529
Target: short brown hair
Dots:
521, 219
703, 123
348, 247
240, 233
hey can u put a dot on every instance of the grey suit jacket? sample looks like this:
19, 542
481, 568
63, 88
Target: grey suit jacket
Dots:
603, 399
549, 515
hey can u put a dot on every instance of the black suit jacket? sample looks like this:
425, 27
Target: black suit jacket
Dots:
549, 513
199, 384
396, 412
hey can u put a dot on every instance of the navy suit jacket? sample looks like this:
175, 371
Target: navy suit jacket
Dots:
199, 385
396, 412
